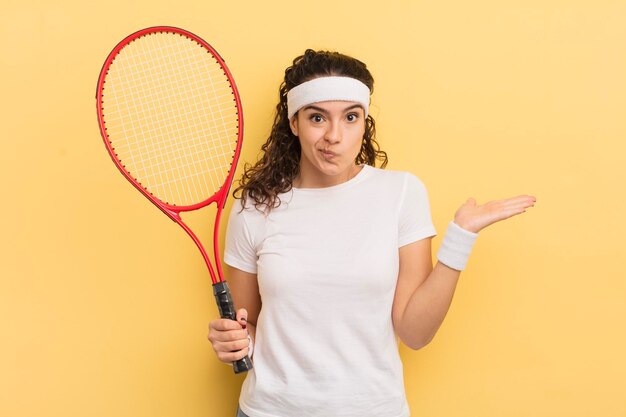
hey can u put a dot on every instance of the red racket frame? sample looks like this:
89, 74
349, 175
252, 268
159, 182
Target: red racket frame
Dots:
173, 211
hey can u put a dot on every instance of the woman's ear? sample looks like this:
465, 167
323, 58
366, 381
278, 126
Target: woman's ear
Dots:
293, 124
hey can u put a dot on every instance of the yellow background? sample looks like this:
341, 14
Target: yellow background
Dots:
104, 302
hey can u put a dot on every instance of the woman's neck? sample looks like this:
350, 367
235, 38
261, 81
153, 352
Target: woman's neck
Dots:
304, 179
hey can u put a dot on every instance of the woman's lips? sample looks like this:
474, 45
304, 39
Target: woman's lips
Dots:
328, 154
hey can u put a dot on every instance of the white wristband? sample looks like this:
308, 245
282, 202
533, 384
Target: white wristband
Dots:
250, 346
456, 247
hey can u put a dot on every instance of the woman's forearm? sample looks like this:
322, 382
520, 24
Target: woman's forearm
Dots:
428, 306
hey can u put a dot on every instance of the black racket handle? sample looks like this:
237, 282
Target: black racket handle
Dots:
227, 311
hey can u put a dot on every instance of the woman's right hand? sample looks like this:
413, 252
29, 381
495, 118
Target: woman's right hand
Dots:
229, 337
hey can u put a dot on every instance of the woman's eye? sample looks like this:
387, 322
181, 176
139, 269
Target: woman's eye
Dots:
316, 118
352, 117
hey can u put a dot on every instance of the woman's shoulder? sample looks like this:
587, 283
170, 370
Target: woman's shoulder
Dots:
392, 175
247, 208
387, 183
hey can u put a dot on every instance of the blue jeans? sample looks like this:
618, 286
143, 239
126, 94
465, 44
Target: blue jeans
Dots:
240, 413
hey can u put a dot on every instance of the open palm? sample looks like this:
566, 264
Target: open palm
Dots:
474, 218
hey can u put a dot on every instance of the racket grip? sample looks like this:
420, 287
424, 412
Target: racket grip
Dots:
227, 311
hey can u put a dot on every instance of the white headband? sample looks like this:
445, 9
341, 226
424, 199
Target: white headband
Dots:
327, 89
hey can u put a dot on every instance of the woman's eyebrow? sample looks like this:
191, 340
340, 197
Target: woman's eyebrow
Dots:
323, 111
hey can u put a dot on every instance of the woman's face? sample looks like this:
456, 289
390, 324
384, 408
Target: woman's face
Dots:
330, 134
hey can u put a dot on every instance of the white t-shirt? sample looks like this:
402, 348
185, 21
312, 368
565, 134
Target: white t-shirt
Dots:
327, 265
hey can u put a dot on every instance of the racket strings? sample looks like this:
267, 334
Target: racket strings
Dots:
171, 116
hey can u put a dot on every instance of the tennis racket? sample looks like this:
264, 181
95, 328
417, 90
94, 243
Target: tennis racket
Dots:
171, 118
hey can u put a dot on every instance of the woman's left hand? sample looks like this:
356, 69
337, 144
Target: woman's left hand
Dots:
474, 218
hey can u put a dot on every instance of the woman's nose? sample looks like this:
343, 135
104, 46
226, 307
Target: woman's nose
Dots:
333, 133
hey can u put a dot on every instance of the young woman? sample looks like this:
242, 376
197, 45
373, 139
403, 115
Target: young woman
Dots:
330, 257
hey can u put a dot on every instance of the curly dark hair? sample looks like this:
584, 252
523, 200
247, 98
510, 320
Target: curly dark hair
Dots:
278, 165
